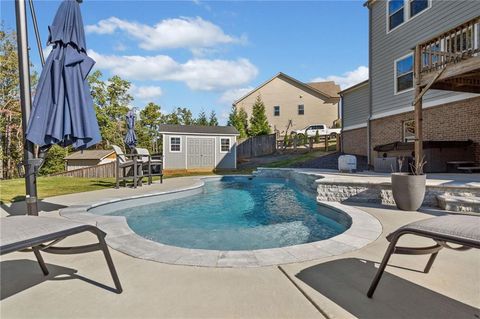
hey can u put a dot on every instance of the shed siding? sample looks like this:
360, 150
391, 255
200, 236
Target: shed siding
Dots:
355, 105
387, 47
174, 160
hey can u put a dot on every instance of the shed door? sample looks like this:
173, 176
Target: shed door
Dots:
200, 152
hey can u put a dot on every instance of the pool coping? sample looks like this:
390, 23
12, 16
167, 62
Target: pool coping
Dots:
364, 229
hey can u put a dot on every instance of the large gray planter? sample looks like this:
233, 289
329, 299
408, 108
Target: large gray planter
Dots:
408, 190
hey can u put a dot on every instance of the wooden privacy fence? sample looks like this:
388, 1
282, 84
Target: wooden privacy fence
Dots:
256, 146
98, 171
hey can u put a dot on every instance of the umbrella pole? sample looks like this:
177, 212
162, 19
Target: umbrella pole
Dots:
26, 105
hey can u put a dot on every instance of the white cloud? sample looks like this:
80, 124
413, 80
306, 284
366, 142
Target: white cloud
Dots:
347, 79
197, 74
183, 32
231, 95
146, 93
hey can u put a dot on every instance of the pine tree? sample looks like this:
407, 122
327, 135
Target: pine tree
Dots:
213, 121
258, 121
202, 119
238, 119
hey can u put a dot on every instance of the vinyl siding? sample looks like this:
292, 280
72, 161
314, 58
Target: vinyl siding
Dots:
355, 104
177, 160
387, 47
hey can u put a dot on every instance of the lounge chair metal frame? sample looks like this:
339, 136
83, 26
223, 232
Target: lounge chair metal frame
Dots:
441, 240
39, 245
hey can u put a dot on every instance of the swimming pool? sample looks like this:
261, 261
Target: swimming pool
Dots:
237, 213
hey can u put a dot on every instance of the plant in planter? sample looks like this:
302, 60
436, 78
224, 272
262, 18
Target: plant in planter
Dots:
409, 188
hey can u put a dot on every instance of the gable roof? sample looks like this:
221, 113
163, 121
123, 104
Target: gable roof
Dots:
314, 90
198, 129
329, 87
353, 87
89, 155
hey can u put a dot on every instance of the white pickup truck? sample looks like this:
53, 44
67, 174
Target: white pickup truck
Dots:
321, 128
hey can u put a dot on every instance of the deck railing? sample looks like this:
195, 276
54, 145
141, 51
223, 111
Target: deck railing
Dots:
452, 46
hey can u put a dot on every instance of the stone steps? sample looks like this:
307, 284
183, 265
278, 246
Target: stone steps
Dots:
459, 203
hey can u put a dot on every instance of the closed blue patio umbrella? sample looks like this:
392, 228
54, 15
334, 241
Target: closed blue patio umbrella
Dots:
130, 137
62, 111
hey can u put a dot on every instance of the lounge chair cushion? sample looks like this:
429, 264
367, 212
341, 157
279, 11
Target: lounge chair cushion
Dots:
20, 232
464, 227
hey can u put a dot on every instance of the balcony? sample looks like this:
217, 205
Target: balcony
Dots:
451, 61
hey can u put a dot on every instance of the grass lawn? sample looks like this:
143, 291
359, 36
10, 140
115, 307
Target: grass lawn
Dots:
13, 190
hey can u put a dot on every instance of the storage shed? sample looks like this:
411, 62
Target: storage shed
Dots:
87, 158
199, 148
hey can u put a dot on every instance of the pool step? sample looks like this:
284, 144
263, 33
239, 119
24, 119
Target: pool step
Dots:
459, 203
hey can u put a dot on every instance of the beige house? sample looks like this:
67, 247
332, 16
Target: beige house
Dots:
87, 158
291, 104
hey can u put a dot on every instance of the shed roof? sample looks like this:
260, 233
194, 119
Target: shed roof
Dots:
89, 155
198, 129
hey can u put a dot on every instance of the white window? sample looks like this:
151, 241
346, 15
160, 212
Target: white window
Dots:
417, 6
301, 109
408, 131
225, 145
404, 73
396, 13
276, 110
401, 11
175, 144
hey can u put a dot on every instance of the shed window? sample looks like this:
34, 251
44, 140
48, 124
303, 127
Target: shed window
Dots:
301, 109
225, 145
175, 144
276, 110
395, 13
417, 6
404, 74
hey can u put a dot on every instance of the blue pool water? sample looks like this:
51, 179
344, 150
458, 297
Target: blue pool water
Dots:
238, 213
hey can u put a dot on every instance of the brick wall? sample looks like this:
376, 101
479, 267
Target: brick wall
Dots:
455, 121
355, 141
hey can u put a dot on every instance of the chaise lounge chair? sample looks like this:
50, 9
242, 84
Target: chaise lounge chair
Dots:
463, 230
33, 233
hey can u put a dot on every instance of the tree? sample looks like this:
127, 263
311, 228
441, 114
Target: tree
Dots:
11, 133
213, 121
202, 119
258, 121
238, 120
148, 127
54, 160
111, 101
317, 137
179, 116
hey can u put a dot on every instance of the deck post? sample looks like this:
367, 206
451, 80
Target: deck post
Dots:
418, 108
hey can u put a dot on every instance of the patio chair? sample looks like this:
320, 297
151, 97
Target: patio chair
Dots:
150, 162
130, 165
34, 233
463, 230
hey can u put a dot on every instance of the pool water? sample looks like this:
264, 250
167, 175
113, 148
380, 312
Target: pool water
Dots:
238, 213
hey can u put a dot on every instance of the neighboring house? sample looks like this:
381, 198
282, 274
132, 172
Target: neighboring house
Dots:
292, 104
199, 148
355, 105
87, 158
380, 111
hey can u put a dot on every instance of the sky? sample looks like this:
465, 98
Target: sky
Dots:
205, 54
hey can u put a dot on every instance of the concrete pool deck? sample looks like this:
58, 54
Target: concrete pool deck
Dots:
336, 284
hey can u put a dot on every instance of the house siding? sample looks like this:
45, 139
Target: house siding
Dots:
356, 106
288, 95
387, 47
